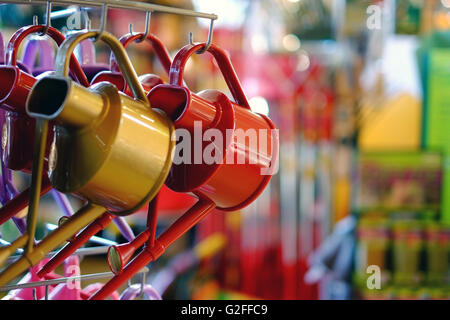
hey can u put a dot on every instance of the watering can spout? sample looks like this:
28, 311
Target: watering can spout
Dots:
66, 102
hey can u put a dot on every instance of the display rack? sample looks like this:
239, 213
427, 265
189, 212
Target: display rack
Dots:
82, 5
126, 5
48, 283
122, 4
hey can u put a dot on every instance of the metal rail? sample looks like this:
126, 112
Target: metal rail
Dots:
121, 4
83, 252
92, 276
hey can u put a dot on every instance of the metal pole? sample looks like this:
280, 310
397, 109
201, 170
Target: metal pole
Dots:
93, 276
122, 4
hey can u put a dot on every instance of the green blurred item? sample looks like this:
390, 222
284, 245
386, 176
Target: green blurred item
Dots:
407, 247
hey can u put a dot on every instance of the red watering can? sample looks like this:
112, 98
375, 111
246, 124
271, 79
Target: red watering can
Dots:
19, 129
241, 168
148, 81
225, 184
18, 133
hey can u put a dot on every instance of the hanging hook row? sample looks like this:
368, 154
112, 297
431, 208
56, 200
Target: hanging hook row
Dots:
122, 4
208, 42
148, 15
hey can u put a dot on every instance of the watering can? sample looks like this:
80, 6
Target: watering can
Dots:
115, 77
18, 129
110, 149
225, 185
148, 81
86, 54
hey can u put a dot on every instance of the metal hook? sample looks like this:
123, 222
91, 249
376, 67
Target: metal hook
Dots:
208, 42
48, 12
46, 292
103, 22
143, 279
148, 15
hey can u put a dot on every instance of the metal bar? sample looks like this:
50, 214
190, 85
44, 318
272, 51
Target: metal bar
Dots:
92, 276
65, 13
122, 4
80, 252
40, 143
83, 252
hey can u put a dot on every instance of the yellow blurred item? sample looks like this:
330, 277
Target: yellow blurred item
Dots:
395, 126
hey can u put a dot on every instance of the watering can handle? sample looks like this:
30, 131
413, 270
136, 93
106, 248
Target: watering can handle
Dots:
67, 47
224, 63
22, 33
159, 48
86, 51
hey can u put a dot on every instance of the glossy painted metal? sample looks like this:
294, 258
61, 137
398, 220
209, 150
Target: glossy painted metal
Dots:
149, 254
231, 186
109, 148
120, 255
81, 218
87, 56
83, 237
18, 131
219, 185
7, 251
30, 277
41, 46
20, 202
114, 76
10, 197
169, 200
148, 81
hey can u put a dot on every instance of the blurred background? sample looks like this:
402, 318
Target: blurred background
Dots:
360, 207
